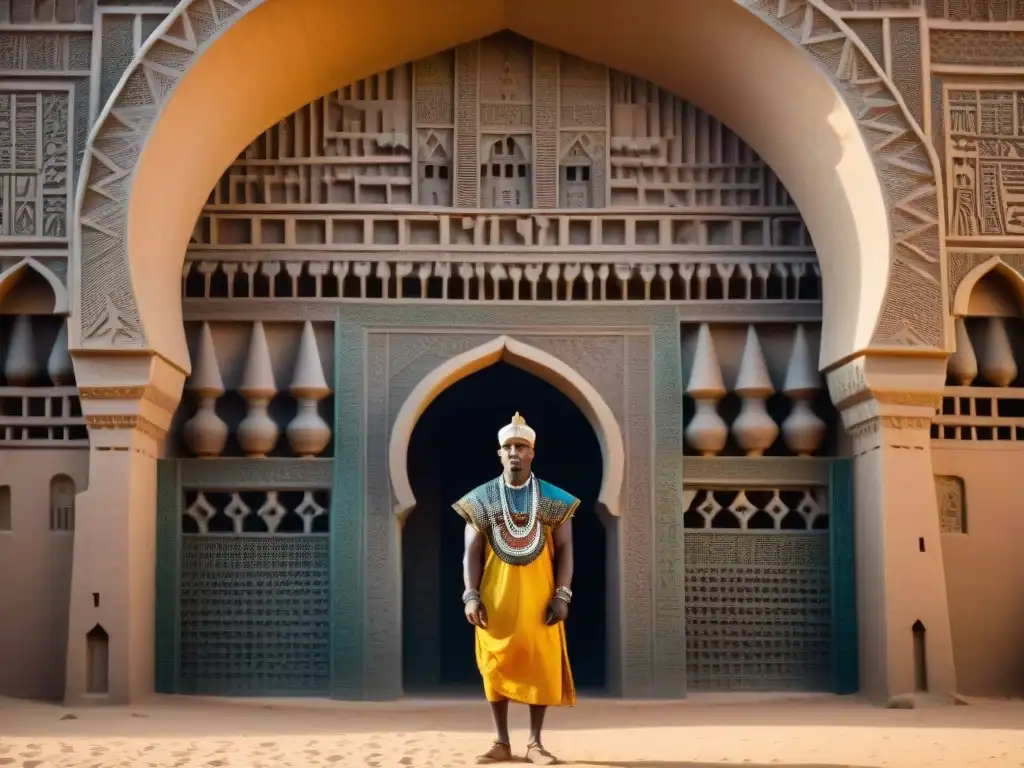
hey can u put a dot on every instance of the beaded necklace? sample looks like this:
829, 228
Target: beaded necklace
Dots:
519, 540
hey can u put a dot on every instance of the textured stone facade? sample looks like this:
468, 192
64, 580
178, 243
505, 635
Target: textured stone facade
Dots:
388, 232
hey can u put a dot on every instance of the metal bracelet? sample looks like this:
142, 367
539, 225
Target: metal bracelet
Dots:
564, 593
470, 595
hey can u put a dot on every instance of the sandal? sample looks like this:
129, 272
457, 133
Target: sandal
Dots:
499, 752
537, 755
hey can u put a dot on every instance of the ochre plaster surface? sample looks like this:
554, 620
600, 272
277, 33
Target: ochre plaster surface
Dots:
984, 568
886, 405
36, 564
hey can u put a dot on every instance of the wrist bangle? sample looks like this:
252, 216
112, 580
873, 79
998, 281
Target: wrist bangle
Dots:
564, 593
470, 595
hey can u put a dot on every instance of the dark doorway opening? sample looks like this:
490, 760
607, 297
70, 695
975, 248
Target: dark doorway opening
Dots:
453, 449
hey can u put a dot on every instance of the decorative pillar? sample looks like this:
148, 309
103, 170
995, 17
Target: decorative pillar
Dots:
128, 401
887, 404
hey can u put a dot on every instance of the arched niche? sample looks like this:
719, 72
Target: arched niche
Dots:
841, 139
97, 668
991, 289
29, 288
62, 503
537, 362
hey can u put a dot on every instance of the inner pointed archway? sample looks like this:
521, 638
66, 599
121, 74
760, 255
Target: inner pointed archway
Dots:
453, 450
577, 389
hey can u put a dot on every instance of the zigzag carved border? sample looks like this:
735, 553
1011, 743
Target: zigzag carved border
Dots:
913, 313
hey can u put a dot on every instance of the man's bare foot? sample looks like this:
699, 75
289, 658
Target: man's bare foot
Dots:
537, 755
498, 753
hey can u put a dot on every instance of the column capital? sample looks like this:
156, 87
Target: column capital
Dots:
126, 393
888, 399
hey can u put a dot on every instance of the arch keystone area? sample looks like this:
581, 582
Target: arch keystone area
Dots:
807, 95
540, 364
1014, 280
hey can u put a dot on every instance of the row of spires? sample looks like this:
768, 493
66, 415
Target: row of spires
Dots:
754, 430
308, 434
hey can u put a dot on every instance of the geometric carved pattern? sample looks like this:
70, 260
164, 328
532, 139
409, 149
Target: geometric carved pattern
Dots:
912, 313
35, 163
758, 611
254, 615
755, 509
984, 161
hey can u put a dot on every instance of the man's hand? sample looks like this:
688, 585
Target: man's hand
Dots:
557, 611
476, 614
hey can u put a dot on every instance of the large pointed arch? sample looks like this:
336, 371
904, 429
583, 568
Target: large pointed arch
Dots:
811, 100
537, 362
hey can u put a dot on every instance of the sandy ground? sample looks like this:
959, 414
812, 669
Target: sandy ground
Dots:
819, 732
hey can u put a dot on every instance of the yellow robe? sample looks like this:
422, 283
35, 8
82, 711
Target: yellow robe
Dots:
519, 656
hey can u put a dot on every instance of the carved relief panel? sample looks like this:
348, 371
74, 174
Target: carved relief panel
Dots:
666, 153
569, 171
434, 128
949, 491
985, 160
351, 146
501, 122
35, 163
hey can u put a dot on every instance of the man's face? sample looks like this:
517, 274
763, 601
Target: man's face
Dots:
516, 455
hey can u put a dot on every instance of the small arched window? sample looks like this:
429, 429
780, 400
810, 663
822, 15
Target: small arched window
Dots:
62, 503
6, 513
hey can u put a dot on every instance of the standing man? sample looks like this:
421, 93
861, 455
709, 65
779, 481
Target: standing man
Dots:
518, 571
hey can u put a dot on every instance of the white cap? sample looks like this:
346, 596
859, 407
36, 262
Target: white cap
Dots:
517, 428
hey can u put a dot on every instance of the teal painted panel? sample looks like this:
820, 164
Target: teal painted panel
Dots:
347, 557
168, 562
845, 662
655, 649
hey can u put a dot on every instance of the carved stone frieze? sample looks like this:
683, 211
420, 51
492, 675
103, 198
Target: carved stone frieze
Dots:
976, 47
976, 10
886, 400
874, 5
765, 471
274, 474
912, 313
901, 432
126, 421
153, 395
